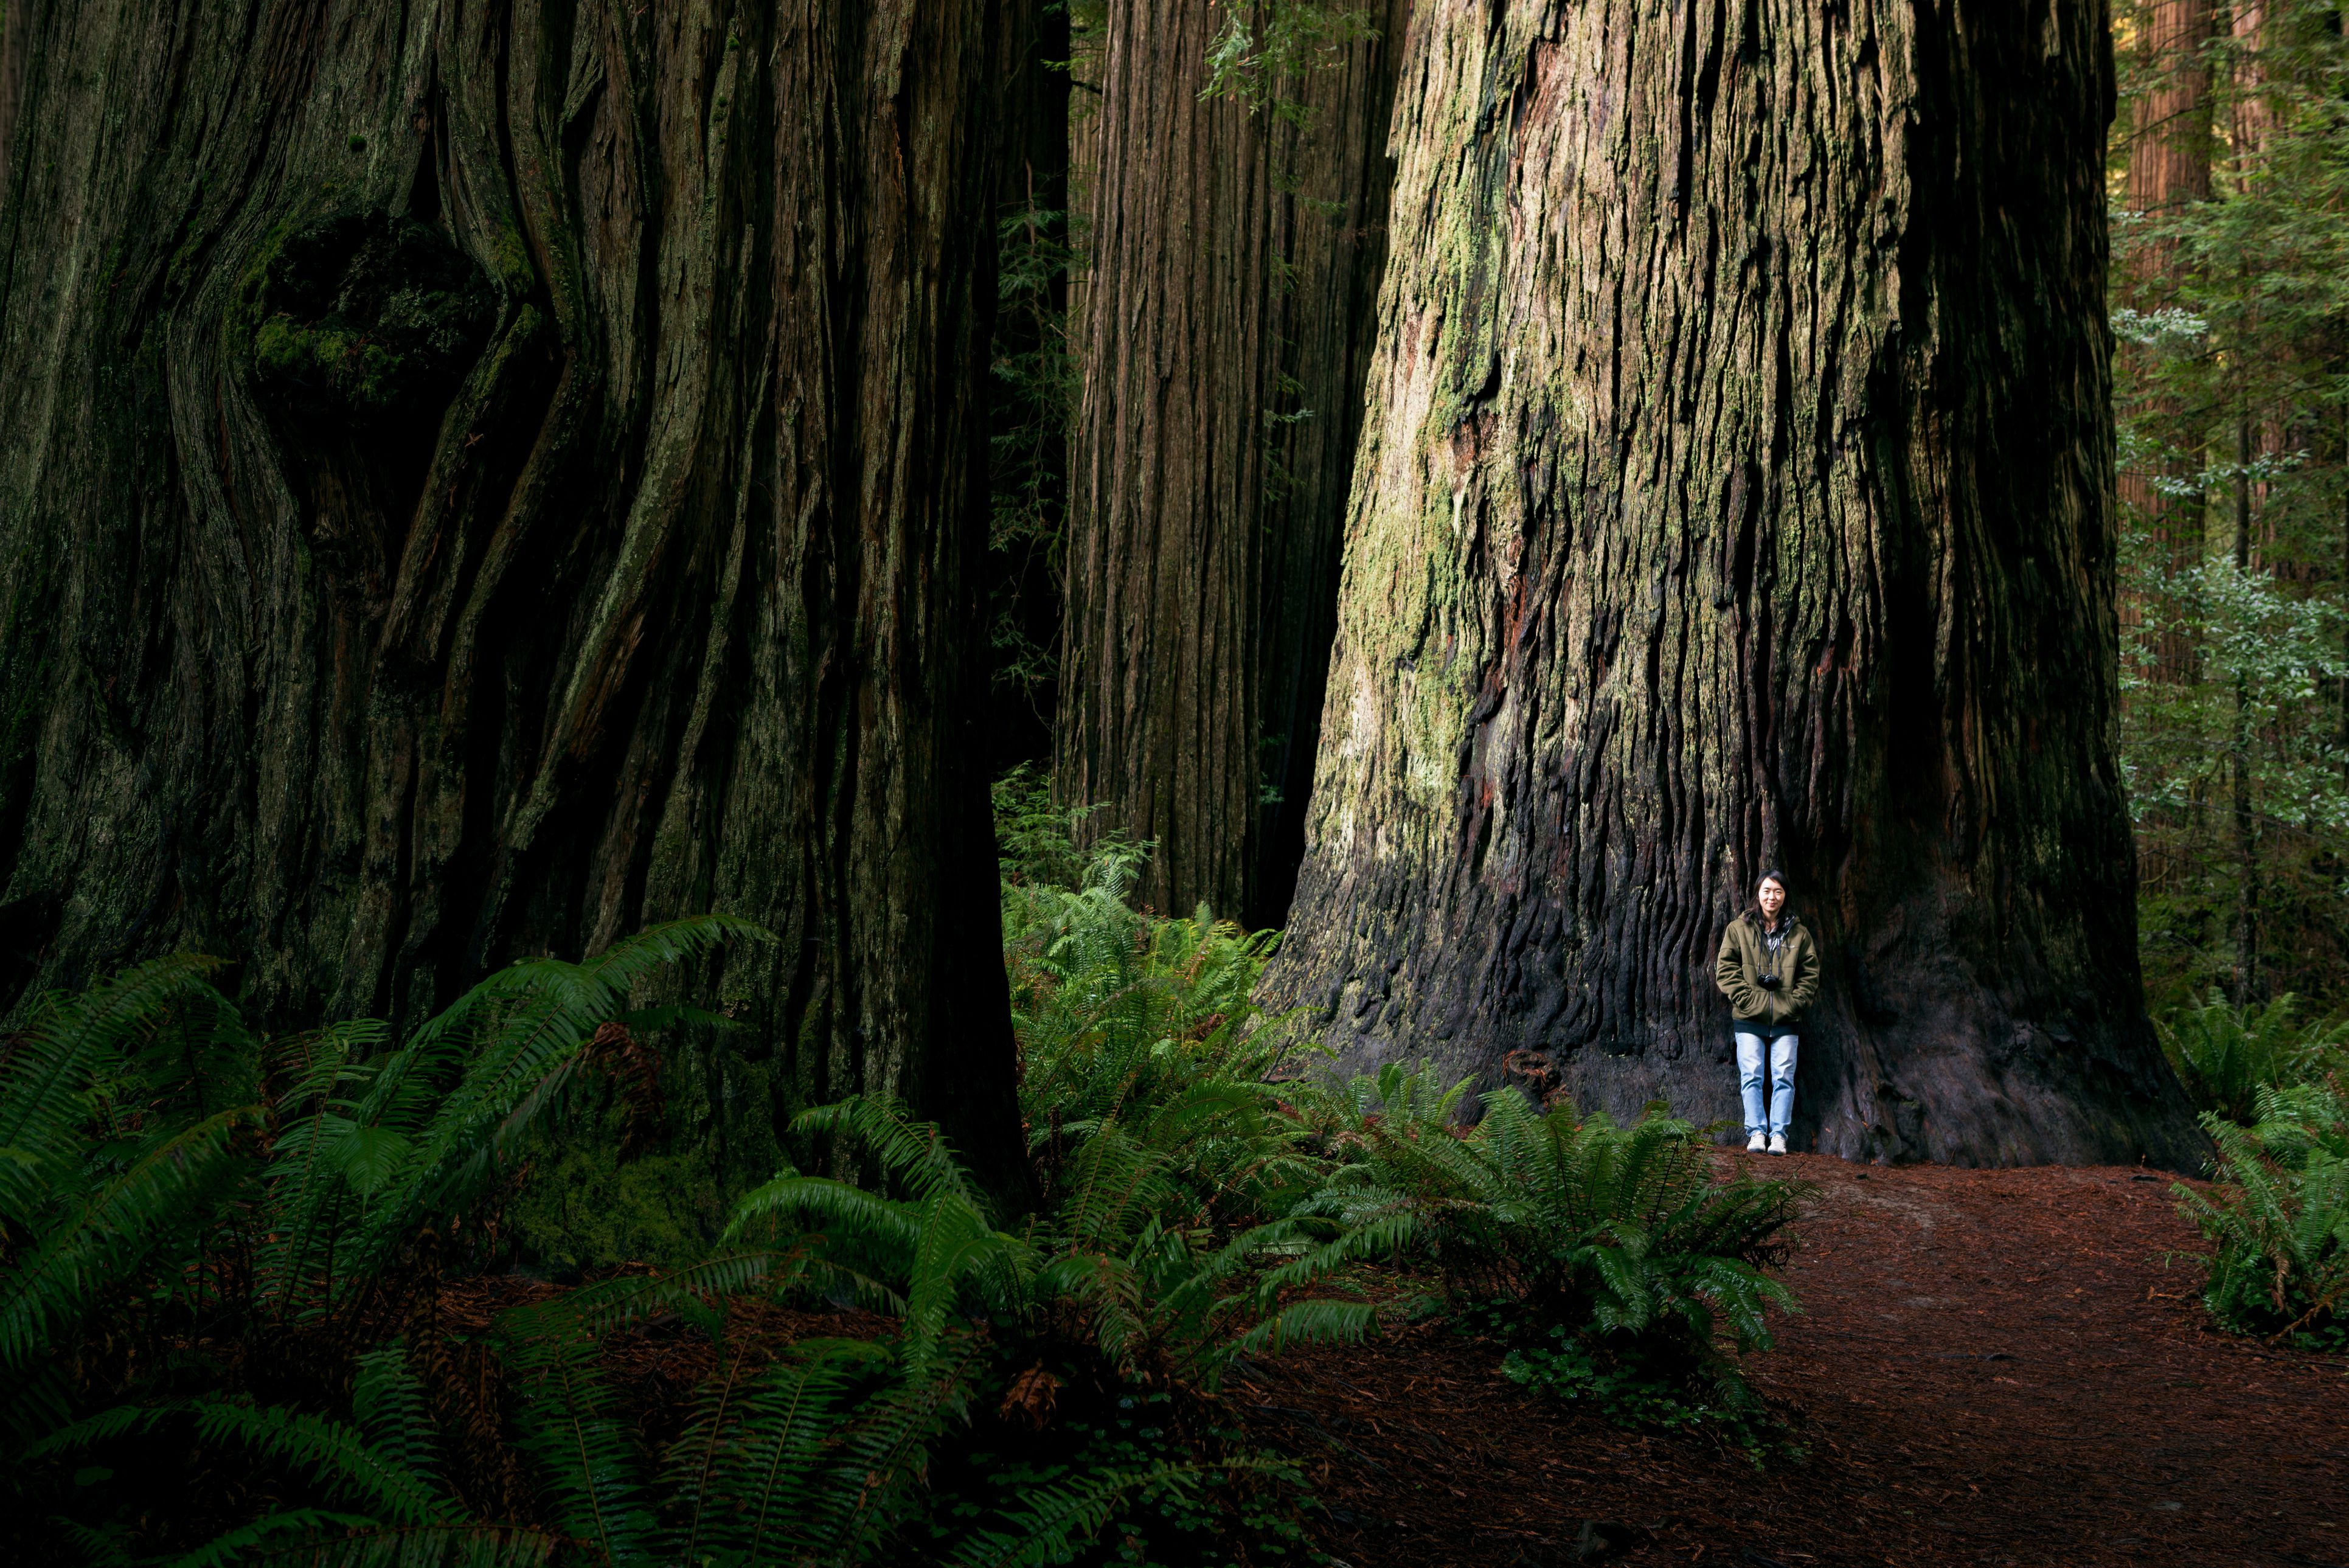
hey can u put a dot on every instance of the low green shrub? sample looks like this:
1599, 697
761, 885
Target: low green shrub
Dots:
226, 1258
1068, 1359
2277, 1220
1150, 1027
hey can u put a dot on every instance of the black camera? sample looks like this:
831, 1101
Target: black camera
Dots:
1769, 982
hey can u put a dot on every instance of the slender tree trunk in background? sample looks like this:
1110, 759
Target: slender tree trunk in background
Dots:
2169, 169
1235, 265
1333, 232
2258, 434
1736, 491
2249, 986
478, 478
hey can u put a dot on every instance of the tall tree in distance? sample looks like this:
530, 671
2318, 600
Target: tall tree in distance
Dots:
1736, 493
1236, 239
477, 477
2169, 169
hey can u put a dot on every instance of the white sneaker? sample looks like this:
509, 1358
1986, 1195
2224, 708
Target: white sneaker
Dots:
1777, 1143
1756, 1143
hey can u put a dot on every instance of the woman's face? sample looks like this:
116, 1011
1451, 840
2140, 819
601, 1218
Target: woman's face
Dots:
1773, 896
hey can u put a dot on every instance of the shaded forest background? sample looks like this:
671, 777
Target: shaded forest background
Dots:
2229, 175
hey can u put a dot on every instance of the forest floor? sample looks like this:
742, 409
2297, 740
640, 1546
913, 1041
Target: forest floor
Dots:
1990, 1367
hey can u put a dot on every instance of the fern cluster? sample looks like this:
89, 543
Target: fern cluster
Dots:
215, 1240
2226, 1055
2278, 1220
1608, 1257
831, 1453
1149, 1026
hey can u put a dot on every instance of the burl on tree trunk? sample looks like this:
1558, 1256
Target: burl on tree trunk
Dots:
479, 476
1736, 493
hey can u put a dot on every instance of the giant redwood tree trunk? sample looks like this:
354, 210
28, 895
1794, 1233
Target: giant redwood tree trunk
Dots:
1736, 491
480, 476
1228, 325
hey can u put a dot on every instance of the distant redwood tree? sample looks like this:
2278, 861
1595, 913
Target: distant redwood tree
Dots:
1736, 491
477, 478
1237, 240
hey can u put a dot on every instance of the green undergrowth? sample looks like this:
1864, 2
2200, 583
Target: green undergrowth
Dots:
2277, 1221
275, 1270
1608, 1260
2274, 1091
580, 1207
2225, 1055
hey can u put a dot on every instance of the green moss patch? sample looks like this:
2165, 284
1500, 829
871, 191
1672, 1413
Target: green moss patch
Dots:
369, 314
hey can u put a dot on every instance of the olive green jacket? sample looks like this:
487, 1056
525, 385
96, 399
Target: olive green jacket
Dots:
1744, 960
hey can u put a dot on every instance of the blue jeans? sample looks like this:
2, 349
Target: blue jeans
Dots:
1782, 1041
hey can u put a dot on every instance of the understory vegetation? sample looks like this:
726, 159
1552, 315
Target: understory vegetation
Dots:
2275, 1092
259, 1297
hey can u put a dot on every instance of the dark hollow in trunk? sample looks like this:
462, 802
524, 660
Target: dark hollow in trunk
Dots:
1230, 315
480, 479
1736, 491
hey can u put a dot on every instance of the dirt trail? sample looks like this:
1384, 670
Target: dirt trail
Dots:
1992, 1366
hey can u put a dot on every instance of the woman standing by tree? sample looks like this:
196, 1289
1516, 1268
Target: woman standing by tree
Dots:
1769, 970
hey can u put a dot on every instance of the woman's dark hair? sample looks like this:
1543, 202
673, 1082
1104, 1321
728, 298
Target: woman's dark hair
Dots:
1775, 875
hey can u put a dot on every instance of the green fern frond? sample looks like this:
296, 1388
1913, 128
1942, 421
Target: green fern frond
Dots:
1057, 1521
372, 1546
756, 1473
877, 1221
247, 1541
332, 1453
388, 1402
885, 1452
50, 1068
109, 1235
911, 1153
585, 1453
632, 960
1305, 1322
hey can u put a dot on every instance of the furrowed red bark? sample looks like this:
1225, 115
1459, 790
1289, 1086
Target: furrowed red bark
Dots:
1235, 266
483, 477
1736, 491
